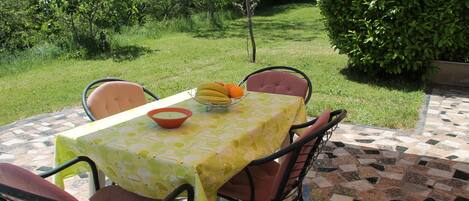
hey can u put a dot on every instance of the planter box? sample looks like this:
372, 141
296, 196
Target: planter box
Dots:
452, 73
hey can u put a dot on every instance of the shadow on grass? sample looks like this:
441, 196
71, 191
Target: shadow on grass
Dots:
393, 82
266, 29
122, 53
271, 10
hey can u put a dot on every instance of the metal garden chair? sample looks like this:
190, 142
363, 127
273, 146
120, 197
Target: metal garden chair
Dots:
265, 179
279, 80
111, 96
17, 183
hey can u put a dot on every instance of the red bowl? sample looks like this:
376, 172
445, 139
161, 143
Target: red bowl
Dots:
169, 121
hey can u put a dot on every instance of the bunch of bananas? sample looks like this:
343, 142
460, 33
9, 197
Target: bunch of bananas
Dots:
213, 93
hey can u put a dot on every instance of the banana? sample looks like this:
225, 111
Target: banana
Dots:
209, 92
215, 87
214, 100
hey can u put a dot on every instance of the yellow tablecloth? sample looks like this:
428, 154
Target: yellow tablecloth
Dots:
206, 151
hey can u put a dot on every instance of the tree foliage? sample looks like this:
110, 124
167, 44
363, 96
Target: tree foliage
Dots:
87, 24
18, 29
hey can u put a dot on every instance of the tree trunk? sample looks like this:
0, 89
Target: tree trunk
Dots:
251, 32
74, 29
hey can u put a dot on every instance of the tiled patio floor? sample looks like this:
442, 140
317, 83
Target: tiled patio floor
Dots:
362, 163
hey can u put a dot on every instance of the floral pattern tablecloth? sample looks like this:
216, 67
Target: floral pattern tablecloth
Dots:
206, 151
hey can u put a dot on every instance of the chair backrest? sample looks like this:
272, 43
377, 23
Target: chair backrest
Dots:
297, 163
17, 183
280, 80
112, 97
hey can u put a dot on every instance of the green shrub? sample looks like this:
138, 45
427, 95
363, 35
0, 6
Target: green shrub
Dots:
398, 37
17, 29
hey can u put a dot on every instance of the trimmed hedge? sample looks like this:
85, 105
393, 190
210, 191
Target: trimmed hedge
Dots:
398, 36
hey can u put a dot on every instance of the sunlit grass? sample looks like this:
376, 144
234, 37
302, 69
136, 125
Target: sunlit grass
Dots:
168, 62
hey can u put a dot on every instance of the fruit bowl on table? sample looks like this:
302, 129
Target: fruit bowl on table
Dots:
215, 96
214, 106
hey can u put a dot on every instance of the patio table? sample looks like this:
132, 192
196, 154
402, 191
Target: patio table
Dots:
206, 151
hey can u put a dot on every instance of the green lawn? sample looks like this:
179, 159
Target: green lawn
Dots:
291, 35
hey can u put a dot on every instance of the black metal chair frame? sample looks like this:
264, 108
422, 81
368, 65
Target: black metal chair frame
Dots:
93, 84
17, 193
285, 68
323, 135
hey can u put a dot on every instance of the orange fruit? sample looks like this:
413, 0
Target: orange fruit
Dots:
228, 86
236, 92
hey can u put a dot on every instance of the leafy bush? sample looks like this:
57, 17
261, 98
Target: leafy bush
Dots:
398, 37
17, 30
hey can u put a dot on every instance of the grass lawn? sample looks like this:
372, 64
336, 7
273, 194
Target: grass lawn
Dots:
291, 35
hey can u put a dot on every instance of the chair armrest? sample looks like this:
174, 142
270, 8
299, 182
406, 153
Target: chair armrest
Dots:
338, 115
276, 155
184, 187
303, 125
66, 165
299, 126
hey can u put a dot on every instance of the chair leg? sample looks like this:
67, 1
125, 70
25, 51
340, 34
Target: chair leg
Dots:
300, 192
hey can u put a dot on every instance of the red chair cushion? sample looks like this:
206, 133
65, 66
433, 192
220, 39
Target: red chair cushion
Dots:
263, 177
267, 177
116, 193
22, 179
277, 83
297, 168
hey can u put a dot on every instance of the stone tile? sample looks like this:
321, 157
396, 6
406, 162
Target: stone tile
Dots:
415, 178
430, 182
372, 180
441, 195
432, 142
405, 162
417, 189
448, 145
322, 182
366, 161
406, 139
340, 152
359, 185
390, 154
458, 174
377, 166
13, 142
391, 175
464, 154
394, 193
18, 131
441, 166
348, 167
461, 166
442, 187
341, 190
371, 151
423, 146
337, 197
366, 171
373, 195
439, 173
401, 149
6, 157
350, 176
71, 125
